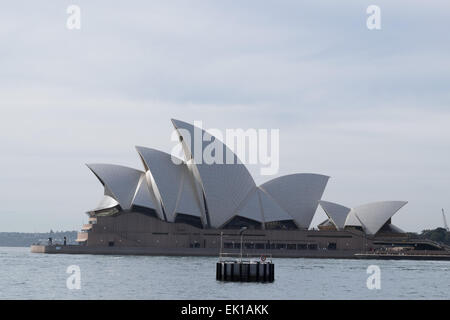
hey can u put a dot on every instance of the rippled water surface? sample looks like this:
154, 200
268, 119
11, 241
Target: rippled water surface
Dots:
24, 275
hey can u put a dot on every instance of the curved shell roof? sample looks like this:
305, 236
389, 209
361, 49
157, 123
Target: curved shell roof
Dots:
107, 202
188, 200
120, 182
143, 193
251, 207
352, 220
336, 213
224, 185
270, 209
216, 192
175, 190
298, 194
261, 207
374, 215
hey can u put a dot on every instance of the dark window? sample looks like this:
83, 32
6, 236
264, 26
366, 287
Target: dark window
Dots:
291, 246
332, 246
302, 246
281, 225
109, 212
190, 220
240, 222
110, 243
312, 246
146, 211
260, 246
354, 228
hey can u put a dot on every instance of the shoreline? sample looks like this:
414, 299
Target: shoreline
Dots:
213, 252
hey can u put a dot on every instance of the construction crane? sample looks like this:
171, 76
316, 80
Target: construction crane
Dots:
445, 221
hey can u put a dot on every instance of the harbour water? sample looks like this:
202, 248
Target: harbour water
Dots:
24, 275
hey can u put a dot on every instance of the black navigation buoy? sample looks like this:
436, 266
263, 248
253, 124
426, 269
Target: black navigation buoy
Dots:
245, 271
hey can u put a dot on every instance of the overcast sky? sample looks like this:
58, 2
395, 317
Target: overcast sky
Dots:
371, 109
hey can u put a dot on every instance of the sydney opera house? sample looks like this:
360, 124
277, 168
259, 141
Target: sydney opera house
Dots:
189, 207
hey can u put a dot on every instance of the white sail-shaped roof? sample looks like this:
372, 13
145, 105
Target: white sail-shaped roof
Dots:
336, 212
251, 207
188, 199
107, 202
120, 182
167, 177
374, 215
352, 220
298, 194
225, 184
261, 207
219, 191
174, 190
143, 196
270, 208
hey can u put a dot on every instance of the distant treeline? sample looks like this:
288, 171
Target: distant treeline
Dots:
19, 239
438, 235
